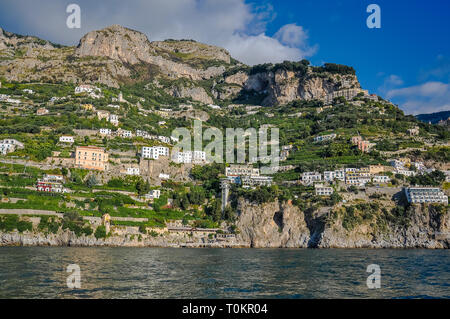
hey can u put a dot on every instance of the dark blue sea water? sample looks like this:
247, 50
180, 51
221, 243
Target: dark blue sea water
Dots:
40, 272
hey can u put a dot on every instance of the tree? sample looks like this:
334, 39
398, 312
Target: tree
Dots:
100, 232
197, 195
214, 210
142, 187
229, 214
91, 181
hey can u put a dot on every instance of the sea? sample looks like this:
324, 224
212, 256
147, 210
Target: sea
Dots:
107, 272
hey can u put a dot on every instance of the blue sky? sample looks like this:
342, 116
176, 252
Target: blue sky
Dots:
407, 60
411, 49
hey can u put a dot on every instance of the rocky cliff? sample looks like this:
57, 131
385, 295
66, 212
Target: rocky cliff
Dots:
272, 225
284, 225
133, 47
116, 55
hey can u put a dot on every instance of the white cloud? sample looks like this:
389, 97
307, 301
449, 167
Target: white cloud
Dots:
291, 35
393, 80
261, 49
428, 97
427, 89
232, 24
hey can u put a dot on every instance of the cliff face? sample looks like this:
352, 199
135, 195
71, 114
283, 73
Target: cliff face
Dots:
272, 225
133, 47
283, 225
284, 86
117, 55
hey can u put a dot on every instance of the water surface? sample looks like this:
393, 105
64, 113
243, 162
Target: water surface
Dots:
40, 272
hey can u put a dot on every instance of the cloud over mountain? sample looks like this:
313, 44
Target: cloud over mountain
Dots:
432, 96
233, 24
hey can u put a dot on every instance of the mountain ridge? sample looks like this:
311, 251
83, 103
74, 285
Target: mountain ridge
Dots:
116, 55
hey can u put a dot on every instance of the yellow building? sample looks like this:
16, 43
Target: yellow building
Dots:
406, 161
91, 157
87, 107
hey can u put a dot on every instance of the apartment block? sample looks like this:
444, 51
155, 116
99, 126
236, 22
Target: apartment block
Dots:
252, 181
154, 152
241, 170
311, 177
322, 138
381, 179
91, 157
9, 145
417, 195
324, 191
66, 139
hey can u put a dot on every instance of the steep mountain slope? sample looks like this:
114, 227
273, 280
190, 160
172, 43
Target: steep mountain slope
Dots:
115, 56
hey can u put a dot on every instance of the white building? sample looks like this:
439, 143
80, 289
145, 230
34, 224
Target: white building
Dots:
420, 166
53, 177
189, 157
397, 164
355, 178
55, 98
182, 157
381, 179
114, 119
252, 181
154, 152
328, 176
105, 131
86, 88
199, 156
28, 91
324, 191
311, 177
417, 195
339, 174
6, 148
405, 172
322, 138
9, 145
153, 194
141, 133
164, 176
133, 171
66, 139
241, 170
164, 139
126, 134
115, 106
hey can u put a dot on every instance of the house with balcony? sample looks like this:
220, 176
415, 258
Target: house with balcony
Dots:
311, 177
419, 195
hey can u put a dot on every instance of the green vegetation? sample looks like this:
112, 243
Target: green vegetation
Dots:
9, 223
100, 232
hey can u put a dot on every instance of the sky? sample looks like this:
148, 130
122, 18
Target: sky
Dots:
406, 60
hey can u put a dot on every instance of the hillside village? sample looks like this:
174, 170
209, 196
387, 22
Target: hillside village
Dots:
97, 159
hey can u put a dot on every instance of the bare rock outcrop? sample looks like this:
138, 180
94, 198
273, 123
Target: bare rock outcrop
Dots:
133, 47
195, 93
271, 225
283, 86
